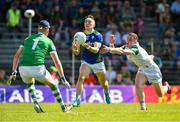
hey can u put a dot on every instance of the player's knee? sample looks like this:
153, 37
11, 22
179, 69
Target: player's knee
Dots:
82, 78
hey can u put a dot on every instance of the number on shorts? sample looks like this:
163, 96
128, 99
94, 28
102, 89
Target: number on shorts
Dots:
35, 43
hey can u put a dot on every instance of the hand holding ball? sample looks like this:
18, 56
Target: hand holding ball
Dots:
80, 38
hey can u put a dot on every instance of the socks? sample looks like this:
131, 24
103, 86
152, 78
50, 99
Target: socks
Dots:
78, 97
57, 95
106, 92
142, 104
32, 92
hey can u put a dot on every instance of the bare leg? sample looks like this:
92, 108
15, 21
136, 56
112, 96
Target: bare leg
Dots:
104, 83
56, 92
160, 89
84, 71
102, 80
139, 82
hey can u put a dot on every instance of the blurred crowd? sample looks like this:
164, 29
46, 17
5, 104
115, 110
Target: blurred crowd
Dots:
118, 17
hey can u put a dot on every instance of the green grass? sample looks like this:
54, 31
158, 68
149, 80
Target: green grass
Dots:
91, 112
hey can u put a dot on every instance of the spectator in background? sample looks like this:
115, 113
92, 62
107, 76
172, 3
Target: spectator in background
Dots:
166, 12
62, 33
118, 80
72, 10
3, 77
148, 7
114, 31
125, 74
139, 26
166, 49
56, 13
41, 10
14, 18
164, 25
128, 15
175, 9
90, 80
111, 16
161, 7
74, 27
80, 19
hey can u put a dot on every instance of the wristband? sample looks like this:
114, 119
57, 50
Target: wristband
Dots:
14, 72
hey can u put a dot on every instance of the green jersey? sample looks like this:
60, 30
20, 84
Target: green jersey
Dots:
35, 49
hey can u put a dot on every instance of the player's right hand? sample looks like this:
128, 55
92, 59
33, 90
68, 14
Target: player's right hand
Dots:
104, 49
75, 45
12, 77
65, 82
112, 38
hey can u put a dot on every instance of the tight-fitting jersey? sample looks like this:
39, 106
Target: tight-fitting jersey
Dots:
141, 57
35, 49
87, 55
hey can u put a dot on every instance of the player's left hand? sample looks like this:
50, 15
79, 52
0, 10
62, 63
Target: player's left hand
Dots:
104, 49
65, 82
12, 77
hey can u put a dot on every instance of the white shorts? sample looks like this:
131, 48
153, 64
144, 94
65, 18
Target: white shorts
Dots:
39, 73
152, 73
98, 67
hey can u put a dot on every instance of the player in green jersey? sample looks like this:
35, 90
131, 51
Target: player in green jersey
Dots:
148, 69
31, 56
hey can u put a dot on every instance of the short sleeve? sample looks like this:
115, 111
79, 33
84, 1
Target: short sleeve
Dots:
99, 38
123, 46
135, 49
51, 47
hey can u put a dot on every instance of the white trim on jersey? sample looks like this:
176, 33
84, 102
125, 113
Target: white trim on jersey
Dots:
52, 52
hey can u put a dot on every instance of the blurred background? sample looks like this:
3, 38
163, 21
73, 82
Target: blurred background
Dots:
157, 22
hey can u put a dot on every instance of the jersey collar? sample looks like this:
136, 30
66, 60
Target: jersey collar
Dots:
40, 33
88, 32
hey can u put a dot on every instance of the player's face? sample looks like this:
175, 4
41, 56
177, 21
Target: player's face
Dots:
130, 41
46, 31
89, 24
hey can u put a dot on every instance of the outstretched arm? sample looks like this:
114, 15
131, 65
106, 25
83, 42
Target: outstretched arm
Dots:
121, 51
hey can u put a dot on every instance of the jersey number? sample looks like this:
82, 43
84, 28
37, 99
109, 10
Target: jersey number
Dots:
35, 43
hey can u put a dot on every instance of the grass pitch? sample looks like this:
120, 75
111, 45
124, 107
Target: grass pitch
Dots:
91, 112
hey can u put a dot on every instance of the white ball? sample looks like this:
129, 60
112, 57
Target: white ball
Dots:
80, 38
29, 13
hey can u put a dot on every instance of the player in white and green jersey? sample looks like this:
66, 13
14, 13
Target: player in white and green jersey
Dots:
32, 55
148, 69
